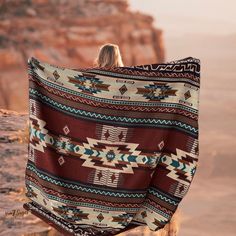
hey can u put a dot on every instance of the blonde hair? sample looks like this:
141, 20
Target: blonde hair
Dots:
109, 56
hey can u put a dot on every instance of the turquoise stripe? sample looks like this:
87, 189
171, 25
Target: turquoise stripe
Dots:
157, 211
103, 118
90, 205
84, 188
163, 196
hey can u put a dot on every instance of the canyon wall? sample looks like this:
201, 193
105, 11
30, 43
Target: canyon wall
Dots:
68, 33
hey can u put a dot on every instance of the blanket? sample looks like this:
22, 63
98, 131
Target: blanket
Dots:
111, 149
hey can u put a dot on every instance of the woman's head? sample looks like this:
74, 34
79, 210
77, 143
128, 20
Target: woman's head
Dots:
109, 56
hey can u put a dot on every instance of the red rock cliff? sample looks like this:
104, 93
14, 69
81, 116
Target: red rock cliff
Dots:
68, 33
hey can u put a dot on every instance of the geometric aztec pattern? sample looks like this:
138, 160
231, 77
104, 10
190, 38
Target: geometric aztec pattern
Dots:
111, 149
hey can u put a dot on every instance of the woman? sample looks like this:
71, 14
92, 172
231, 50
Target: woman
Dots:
109, 56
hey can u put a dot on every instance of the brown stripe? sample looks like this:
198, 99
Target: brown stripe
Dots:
80, 193
140, 135
157, 201
123, 107
76, 198
100, 110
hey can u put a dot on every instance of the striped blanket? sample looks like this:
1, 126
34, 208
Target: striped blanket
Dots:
111, 148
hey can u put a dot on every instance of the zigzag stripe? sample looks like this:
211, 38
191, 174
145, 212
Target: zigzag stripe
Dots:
166, 198
92, 206
111, 101
85, 189
96, 116
82, 199
157, 206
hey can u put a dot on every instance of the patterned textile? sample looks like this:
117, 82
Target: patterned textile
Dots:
111, 148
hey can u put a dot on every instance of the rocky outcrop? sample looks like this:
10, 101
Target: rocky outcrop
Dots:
14, 219
68, 33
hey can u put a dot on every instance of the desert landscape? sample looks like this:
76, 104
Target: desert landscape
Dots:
210, 205
209, 208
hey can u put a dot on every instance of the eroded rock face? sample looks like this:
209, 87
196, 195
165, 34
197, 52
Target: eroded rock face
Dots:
68, 33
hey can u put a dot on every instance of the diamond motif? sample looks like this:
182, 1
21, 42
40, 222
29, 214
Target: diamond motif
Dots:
157, 91
66, 129
110, 155
61, 160
100, 217
187, 95
123, 89
56, 75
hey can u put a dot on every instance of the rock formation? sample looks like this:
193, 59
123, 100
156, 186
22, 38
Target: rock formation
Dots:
68, 33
